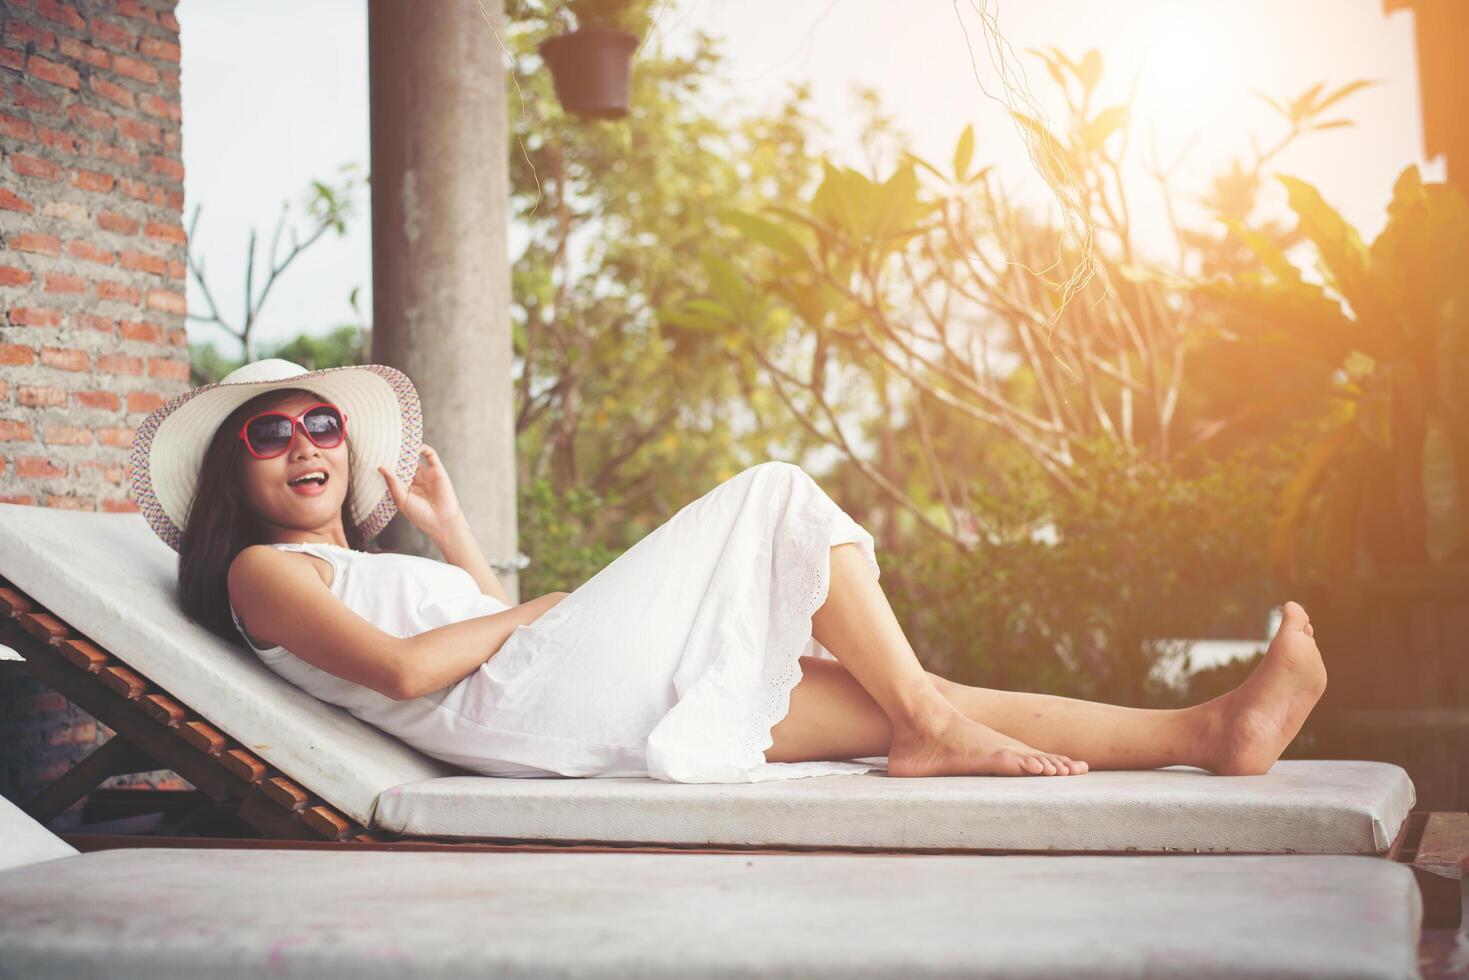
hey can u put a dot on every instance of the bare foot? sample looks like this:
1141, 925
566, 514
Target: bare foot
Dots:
1254, 723
964, 747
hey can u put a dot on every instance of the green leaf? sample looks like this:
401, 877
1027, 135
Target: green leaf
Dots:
726, 284
767, 233
964, 153
1091, 68
1095, 133
709, 308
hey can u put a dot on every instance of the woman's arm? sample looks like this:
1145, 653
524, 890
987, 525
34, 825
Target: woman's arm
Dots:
439, 657
460, 548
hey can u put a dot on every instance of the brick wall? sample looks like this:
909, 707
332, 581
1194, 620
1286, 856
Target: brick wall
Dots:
92, 334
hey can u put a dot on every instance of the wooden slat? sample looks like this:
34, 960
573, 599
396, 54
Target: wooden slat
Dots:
165, 709
83, 654
203, 736
129, 684
244, 765
13, 602
1445, 843
43, 626
327, 822
284, 793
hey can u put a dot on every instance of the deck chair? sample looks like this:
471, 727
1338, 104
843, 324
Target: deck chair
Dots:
88, 601
185, 913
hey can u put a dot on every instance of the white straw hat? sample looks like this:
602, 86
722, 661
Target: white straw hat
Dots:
385, 427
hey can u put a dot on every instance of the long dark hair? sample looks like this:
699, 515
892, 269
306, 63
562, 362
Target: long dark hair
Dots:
221, 523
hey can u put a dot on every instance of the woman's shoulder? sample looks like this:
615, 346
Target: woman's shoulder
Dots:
262, 559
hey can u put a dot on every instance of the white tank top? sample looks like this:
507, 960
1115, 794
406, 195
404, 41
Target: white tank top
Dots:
400, 594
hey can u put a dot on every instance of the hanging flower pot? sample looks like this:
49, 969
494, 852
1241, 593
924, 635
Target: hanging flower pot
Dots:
591, 68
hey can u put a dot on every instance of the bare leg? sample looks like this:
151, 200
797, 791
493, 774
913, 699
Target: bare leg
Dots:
832, 715
926, 735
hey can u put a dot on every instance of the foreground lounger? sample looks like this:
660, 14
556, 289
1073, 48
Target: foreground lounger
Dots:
177, 913
87, 598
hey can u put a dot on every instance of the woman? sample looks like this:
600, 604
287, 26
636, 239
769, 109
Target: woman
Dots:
745, 639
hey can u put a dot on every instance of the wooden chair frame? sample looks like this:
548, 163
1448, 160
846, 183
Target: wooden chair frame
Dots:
156, 731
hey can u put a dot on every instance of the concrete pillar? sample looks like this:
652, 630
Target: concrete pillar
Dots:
440, 265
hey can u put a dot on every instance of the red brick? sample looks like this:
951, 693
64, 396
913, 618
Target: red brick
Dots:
167, 233
167, 166
17, 128
167, 300
175, 369
175, 199
68, 502
141, 330
65, 358
59, 282
34, 316
4, 396
37, 467
39, 396
35, 242
157, 48
126, 156
144, 401
119, 364
119, 223
172, 140
16, 354
12, 430
133, 68
29, 34
61, 13
168, 21
66, 435
10, 202
15, 60
135, 10
85, 115
118, 505
130, 259
111, 34
46, 701
115, 435
29, 98
29, 501
109, 472
73, 48
169, 78
155, 106
112, 92
56, 74
87, 252
29, 166
12, 276
176, 269
90, 321
139, 131
91, 180
97, 399
118, 291
179, 338
134, 188
65, 142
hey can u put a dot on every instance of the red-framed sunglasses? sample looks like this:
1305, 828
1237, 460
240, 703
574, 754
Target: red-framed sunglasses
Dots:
269, 433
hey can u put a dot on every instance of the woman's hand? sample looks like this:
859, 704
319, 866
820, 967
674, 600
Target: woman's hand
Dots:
429, 504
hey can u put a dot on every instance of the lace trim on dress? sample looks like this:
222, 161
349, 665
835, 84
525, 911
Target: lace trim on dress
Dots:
810, 548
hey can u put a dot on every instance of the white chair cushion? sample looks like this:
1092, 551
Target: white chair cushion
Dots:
188, 913
112, 579
25, 841
1301, 806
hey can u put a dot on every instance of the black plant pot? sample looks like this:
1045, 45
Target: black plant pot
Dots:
591, 69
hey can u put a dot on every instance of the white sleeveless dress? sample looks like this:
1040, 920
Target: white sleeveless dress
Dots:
674, 661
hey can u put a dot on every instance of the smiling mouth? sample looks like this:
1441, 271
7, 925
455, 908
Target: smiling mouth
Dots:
310, 487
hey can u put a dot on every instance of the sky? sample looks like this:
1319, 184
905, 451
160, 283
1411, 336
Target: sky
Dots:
275, 96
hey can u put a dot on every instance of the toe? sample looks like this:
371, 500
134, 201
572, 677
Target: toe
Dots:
1293, 616
1309, 630
1050, 767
